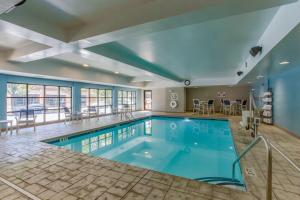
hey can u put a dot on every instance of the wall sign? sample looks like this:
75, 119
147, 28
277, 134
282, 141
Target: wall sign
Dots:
174, 97
173, 100
221, 94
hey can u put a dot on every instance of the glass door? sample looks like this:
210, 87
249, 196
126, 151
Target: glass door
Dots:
148, 99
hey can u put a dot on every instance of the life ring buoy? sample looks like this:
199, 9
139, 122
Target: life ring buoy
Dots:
173, 104
173, 126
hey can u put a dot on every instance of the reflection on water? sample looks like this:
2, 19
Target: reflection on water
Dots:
190, 148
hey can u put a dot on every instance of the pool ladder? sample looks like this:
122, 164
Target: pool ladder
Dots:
268, 145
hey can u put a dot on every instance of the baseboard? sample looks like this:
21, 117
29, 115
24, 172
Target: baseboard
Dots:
288, 131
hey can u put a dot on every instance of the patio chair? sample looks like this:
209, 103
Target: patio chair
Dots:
226, 106
244, 105
203, 107
239, 106
69, 116
196, 105
92, 111
27, 118
211, 106
126, 111
221, 106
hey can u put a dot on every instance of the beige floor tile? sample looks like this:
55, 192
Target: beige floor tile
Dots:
56, 174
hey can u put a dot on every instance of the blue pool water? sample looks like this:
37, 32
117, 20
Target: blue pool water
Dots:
191, 148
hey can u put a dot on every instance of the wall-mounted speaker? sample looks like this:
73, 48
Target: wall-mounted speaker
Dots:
239, 73
255, 50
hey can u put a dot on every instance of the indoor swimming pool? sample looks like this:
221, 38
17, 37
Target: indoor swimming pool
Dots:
197, 149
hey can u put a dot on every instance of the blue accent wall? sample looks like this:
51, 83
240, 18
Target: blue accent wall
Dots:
286, 91
286, 98
76, 86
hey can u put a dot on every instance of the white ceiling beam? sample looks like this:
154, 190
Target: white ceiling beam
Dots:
29, 34
213, 81
108, 63
94, 34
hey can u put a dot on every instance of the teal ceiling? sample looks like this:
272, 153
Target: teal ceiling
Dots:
211, 49
119, 52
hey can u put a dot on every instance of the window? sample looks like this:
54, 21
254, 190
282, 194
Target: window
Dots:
105, 101
52, 103
148, 99
97, 142
100, 98
126, 98
46, 101
126, 133
84, 99
148, 127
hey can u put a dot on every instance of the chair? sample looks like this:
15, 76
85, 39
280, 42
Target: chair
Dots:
7, 124
126, 111
239, 106
203, 107
115, 111
221, 105
211, 106
226, 106
26, 117
92, 111
69, 116
196, 105
244, 105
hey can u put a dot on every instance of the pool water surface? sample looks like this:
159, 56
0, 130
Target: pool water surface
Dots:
192, 148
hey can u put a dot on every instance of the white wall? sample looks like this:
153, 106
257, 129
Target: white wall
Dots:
161, 99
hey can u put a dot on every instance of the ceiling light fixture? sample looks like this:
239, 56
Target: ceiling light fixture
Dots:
85, 65
117, 72
259, 77
284, 62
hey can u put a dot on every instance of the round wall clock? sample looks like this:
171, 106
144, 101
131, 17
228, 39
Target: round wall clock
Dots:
187, 82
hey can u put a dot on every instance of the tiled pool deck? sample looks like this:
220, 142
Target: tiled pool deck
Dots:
49, 172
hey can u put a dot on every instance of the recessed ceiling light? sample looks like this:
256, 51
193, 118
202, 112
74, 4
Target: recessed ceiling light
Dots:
259, 77
285, 62
117, 72
85, 65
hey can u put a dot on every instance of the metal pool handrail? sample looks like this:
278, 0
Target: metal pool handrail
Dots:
285, 157
269, 162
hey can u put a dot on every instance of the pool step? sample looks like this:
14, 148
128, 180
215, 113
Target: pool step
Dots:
221, 181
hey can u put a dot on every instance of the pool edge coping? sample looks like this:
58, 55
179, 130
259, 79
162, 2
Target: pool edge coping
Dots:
47, 140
